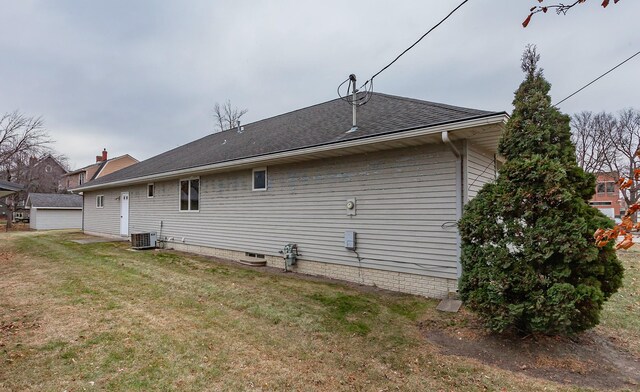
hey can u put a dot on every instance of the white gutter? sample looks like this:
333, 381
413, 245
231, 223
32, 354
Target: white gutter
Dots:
491, 120
56, 208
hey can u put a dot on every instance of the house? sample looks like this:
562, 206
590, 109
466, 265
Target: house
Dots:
49, 211
38, 175
6, 189
43, 174
101, 167
607, 197
393, 187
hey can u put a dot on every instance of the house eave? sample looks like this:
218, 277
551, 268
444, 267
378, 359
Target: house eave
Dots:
55, 208
418, 135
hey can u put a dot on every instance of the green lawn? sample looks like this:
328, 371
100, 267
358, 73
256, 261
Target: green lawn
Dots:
101, 317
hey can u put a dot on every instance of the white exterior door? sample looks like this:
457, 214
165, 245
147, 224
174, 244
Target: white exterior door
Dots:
124, 214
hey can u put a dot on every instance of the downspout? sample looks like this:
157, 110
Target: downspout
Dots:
83, 212
459, 195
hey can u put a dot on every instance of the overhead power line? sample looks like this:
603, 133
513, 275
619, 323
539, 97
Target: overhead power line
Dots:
418, 41
598, 78
368, 85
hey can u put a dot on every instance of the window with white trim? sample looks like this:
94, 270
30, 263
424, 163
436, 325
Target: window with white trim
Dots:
260, 179
151, 190
190, 194
99, 201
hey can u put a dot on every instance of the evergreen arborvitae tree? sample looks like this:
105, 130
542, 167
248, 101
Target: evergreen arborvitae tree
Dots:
529, 259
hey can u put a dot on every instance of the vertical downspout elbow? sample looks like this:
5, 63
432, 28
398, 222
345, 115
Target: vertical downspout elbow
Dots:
447, 141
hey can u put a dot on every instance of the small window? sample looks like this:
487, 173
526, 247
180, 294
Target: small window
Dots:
47, 169
151, 190
600, 187
260, 179
99, 201
81, 179
611, 186
599, 203
190, 195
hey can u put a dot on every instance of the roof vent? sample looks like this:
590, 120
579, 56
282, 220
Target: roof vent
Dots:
239, 128
354, 104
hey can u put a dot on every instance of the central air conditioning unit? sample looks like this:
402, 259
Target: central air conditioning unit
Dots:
143, 240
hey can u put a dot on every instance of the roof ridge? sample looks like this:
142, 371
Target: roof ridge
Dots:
118, 157
439, 104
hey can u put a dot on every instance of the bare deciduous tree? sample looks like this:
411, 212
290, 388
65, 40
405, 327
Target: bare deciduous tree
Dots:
590, 134
20, 136
625, 141
610, 143
227, 116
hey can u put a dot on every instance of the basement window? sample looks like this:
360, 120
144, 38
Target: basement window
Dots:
260, 179
190, 194
100, 201
254, 255
151, 190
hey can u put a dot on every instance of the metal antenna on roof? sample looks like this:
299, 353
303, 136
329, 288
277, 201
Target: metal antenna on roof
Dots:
354, 103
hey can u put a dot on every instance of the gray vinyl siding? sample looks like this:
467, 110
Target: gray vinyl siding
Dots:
105, 220
46, 219
481, 169
404, 196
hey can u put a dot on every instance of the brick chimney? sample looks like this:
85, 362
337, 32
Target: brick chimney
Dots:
103, 157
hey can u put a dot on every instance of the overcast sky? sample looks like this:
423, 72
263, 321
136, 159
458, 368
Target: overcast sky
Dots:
141, 77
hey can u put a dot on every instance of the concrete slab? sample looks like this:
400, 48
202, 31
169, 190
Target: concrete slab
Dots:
449, 305
99, 240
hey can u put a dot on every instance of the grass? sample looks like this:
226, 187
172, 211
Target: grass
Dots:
621, 315
98, 316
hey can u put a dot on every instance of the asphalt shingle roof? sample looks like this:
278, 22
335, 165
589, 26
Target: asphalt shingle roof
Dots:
10, 186
321, 124
54, 200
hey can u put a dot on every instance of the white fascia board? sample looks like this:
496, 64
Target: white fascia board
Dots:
498, 119
57, 208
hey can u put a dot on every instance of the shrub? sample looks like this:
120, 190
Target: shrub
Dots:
529, 259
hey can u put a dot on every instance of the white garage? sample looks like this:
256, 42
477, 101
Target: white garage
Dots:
51, 211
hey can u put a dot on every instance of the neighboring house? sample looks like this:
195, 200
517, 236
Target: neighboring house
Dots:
607, 197
399, 182
51, 211
102, 167
41, 175
6, 189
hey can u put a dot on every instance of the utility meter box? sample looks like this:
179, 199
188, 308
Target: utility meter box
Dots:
351, 206
350, 240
